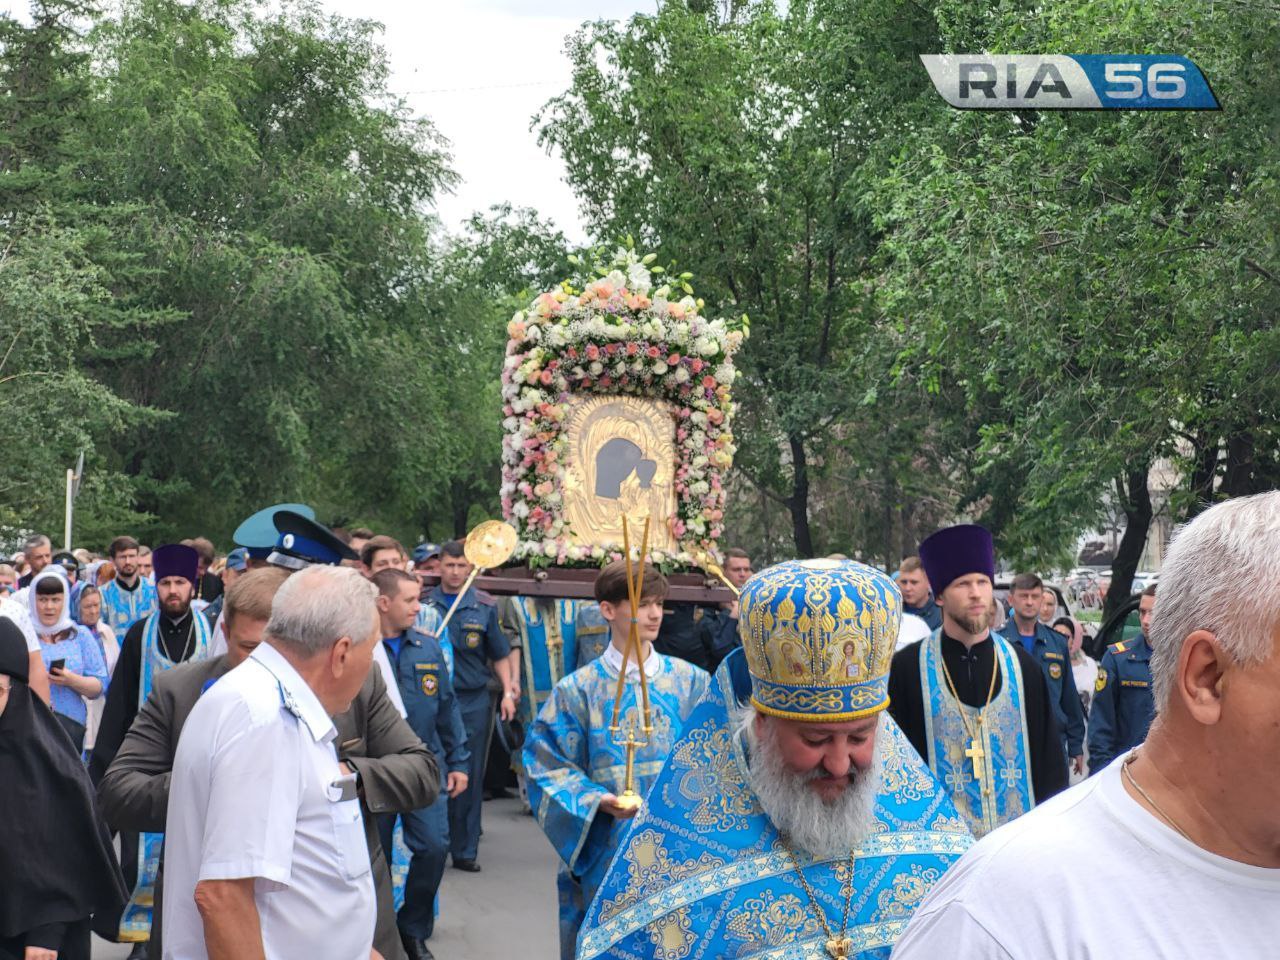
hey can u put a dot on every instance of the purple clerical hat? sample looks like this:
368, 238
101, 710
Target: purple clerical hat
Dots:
953, 552
175, 560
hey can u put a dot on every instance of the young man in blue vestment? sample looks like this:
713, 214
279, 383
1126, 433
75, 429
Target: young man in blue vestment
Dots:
793, 820
576, 767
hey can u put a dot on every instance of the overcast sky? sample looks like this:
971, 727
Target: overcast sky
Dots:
480, 69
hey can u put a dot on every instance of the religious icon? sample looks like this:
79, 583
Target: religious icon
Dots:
846, 664
620, 462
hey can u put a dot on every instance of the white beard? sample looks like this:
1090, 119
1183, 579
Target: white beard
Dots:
824, 830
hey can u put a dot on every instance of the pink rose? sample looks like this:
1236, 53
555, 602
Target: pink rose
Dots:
546, 378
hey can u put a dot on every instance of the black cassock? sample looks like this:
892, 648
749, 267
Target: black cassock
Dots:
971, 673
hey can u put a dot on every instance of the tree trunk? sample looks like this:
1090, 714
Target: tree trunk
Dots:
460, 502
1136, 503
1238, 478
1205, 467
799, 499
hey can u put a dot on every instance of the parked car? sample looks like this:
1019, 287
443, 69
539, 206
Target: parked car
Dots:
1124, 624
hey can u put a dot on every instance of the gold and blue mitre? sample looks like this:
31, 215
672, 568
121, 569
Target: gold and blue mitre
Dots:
818, 636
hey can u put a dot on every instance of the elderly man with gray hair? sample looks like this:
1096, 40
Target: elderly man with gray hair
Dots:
1173, 850
265, 847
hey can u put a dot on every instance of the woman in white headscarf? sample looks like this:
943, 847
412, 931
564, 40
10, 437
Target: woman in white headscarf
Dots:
70, 653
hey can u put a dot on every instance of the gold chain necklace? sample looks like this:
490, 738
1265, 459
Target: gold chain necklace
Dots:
1128, 775
839, 947
975, 752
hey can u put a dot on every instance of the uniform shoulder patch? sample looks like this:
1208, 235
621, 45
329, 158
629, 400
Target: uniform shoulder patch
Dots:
1118, 647
1101, 683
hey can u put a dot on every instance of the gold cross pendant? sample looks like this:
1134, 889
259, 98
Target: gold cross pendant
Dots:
839, 947
976, 753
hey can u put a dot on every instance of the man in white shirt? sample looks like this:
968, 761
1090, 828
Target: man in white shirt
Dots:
1187, 823
265, 853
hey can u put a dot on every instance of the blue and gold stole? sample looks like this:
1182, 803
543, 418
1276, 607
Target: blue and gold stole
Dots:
135, 922
547, 631
1001, 791
555, 646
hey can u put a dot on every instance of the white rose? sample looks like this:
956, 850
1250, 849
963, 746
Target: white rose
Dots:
596, 368
619, 368
520, 509
682, 375
616, 279
597, 553
637, 367
724, 373
699, 418
660, 367
550, 548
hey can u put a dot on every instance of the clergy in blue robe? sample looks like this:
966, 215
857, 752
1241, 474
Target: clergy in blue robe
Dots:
793, 820
576, 766
557, 636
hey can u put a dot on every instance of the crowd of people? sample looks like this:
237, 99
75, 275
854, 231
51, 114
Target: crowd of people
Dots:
277, 752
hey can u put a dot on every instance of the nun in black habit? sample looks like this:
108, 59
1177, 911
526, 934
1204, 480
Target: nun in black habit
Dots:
57, 865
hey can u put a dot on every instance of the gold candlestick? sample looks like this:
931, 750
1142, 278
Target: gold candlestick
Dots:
629, 799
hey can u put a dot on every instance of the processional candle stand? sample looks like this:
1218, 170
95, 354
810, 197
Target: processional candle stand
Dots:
489, 545
629, 799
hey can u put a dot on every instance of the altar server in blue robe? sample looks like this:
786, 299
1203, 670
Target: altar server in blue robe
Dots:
576, 766
793, 820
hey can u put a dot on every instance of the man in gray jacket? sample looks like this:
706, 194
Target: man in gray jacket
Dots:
395, 771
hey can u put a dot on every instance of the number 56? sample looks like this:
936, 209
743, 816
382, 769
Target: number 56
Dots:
1164, 81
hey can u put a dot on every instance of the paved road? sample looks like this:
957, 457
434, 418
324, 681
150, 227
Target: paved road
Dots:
508, 909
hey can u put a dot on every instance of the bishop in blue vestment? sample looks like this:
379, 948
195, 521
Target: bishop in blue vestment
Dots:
793, 820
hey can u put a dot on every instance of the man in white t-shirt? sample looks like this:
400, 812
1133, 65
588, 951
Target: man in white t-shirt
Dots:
1188, 822
265, 854
37, 677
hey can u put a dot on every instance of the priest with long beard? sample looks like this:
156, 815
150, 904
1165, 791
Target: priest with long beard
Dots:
793, 819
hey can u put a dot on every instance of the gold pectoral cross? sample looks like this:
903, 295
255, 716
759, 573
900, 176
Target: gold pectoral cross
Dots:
976, 753
839, 947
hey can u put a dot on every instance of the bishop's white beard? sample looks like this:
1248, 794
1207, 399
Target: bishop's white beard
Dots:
823, 830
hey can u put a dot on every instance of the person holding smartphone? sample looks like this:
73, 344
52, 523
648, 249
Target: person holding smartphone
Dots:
70, 653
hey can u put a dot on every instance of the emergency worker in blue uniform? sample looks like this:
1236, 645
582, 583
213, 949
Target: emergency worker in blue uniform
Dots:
917, 595
1051, 649
1123, 702
722, 629
418, 665
480, 650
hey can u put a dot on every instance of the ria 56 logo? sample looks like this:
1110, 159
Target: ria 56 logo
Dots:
1069, 82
